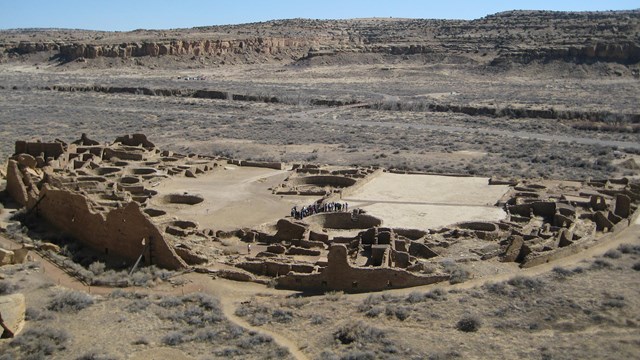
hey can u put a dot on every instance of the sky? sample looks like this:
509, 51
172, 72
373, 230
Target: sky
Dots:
125, 15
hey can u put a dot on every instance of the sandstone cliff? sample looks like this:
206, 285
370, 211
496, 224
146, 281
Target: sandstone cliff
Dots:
518, 36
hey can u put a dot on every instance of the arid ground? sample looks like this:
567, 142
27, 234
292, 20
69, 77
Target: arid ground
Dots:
518, 95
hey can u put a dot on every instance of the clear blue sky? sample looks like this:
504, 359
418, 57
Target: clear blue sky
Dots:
122, 15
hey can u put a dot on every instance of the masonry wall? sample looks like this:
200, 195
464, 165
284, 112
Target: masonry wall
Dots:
16, 187
340, 275
118, 232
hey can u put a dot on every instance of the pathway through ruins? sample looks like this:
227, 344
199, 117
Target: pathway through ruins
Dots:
231, 293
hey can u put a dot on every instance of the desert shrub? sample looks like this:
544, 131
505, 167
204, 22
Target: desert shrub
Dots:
436, 294
600, 264
374, 311
137, 305
40, 342
234, 331
636, 266
196, 316
169, 302
92, 355
561, 272
375, 299
400, 312
205, 301
613, 301
141, 341
629, 249
358, 332
469, 323
33, 314
456, 272
206, 335
415, 297
174, 338
70, 301
317, 319
496, 288
282, 316
334, 295
257, 315
112, 278
229, 353
7, 287
140, 278
525, 282
119, 293
359, 355
295, 302
613, 254
97, 268
254, 339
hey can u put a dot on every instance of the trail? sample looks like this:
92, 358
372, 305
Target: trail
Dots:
228, 308
231, 293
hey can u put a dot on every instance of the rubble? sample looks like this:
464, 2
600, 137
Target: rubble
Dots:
100, 194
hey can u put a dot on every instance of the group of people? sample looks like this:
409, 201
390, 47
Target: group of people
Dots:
315, 208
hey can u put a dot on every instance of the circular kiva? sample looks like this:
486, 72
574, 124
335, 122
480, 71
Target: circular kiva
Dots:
129, 180
108, 170
143, 171
184, 199
323, 180
154, 212
343, 221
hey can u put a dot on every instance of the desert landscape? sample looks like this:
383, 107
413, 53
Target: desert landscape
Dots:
374, 188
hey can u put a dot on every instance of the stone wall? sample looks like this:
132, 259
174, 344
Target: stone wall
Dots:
119, 232
16, 186
342, 276
263, 164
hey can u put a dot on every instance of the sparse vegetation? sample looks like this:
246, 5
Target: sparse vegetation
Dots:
469, 323
525, 94
70, 301
612, 254
7, 287
561, 272
40, 342
358, 332
458, 273
93, 355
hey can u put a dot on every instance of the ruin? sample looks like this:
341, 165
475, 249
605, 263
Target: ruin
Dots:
109, 197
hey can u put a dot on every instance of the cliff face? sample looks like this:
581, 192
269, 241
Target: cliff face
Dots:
268, 46
513, 36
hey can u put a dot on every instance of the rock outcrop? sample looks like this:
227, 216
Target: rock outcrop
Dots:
516, 36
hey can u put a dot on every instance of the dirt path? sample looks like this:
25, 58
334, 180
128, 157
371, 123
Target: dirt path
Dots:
229, 308
231, 293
